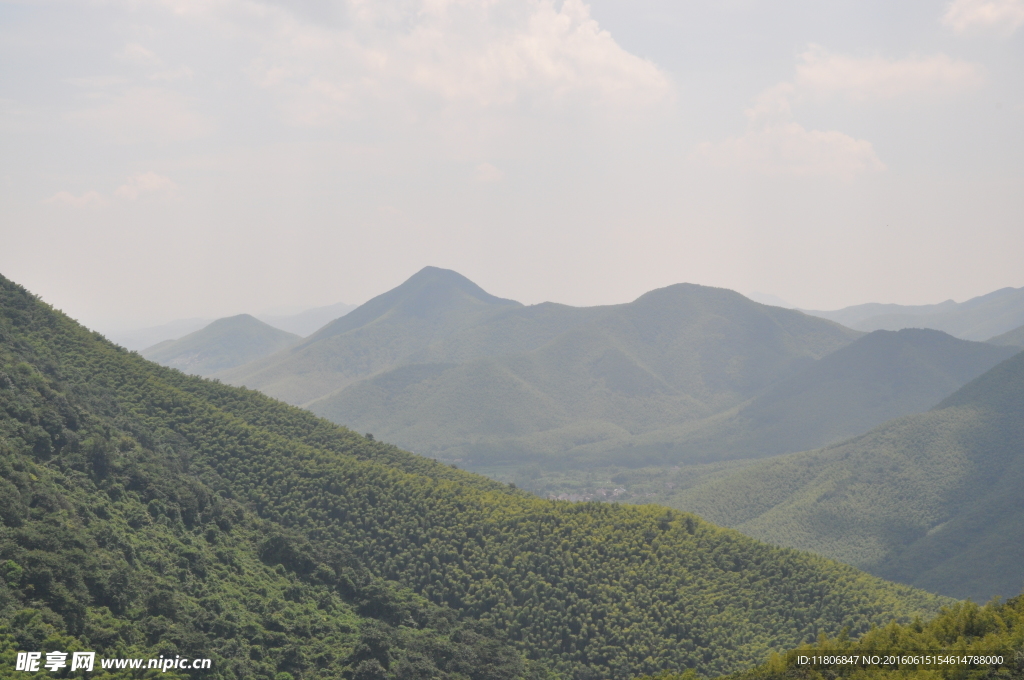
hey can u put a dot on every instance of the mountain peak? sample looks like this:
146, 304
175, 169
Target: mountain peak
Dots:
449, 278
431, 293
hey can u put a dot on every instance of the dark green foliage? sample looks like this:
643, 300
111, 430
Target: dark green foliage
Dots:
156, 513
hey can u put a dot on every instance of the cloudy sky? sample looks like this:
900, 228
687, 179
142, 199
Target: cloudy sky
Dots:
162, 159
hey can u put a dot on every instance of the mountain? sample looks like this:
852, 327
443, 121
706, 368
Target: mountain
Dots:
147, 512
305, 323
388, 330
302, 324
223, 344
979, 318
881, 376
930, 499
1014, 338
539, 381
142, 338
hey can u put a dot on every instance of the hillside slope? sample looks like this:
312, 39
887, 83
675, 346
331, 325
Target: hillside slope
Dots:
1014, 338
225, 343
676, 354
881, 376
931, 499
323, 525
978, 319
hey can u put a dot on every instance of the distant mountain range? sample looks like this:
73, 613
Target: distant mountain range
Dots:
441, 366
931, 499
305, 323
223, 344
878, 377
684, 374
979, 318
302, 324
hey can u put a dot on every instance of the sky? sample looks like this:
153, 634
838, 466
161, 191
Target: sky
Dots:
165, 159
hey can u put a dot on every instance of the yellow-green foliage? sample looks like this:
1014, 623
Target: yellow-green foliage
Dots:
964, 629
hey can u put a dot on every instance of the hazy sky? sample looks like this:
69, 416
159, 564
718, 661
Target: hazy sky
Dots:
176, 158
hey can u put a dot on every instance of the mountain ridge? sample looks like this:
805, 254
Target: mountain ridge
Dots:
678, 353
878, 377
979, 318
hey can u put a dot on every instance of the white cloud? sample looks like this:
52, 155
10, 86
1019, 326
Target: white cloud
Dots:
868, 78
136, 186
485, 173
89, 199
98, 82
168, 75
146, 183
140, 55
142, 113
476, 54
775, 143
1001, 16
789, 149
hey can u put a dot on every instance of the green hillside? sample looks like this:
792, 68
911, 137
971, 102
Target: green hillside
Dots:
145, 511
674, 355
1014, 338
881, 376
931, 499
223, 344
978, 319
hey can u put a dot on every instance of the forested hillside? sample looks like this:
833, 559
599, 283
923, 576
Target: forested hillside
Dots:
931, 499
223, 344
145, 511
881, 376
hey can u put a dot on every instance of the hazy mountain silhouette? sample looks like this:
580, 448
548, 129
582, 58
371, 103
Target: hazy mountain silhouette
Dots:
880, 376
979, 318
1014, 338
227, 342
391, 329
564, 376
307, 322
